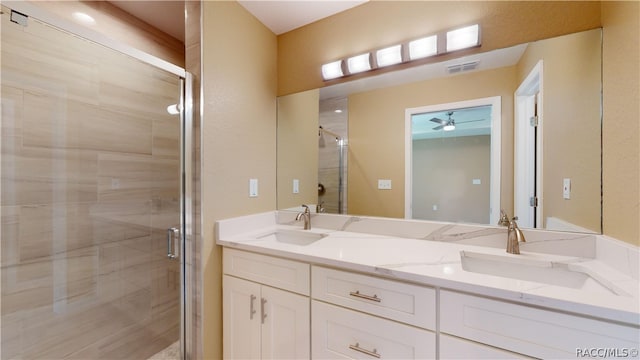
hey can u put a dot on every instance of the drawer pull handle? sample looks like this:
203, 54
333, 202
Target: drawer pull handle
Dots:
264, 313
357, 347
366, 297
252, 310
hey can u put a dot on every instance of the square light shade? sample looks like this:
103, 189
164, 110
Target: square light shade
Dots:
332, 70
389, 56
424, 47
463, 38
359, 63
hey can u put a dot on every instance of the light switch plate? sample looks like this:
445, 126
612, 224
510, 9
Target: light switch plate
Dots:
296, 186
253, 187
566, 189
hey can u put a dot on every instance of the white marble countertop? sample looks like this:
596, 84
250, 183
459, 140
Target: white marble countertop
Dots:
438, 264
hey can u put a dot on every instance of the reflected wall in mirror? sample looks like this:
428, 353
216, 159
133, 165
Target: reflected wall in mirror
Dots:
569, 141
452, 161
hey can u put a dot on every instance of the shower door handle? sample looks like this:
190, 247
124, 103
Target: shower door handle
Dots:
173, 243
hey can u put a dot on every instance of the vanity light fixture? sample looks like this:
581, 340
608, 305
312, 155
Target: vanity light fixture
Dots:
431, 45
389, 56
332, 70
463, 38
359, 63
422, 48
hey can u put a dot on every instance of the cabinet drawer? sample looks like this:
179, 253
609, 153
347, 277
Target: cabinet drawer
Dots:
527, 330
280, 273
452, 347
339, 333
411, 304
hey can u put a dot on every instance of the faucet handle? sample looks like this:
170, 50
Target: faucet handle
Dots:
306, 208
504, 218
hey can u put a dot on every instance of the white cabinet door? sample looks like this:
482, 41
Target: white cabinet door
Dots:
261, 322
286, 326
240, 318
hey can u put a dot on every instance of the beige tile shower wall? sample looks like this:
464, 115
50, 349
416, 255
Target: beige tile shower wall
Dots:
238, 138
193, 246
377, 130
86, 149
119, 25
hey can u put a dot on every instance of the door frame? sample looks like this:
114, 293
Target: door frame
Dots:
496, 146
524, 158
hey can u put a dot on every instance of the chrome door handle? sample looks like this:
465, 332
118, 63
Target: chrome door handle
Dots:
173, 246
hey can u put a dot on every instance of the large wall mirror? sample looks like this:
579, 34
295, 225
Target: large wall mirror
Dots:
343, 148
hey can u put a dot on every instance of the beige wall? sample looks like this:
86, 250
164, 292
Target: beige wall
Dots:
571, 124
621, 130
378, 117
443, 170
298, 148
376, 24
238, 137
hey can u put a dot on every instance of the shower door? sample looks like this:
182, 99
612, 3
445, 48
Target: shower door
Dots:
91, 181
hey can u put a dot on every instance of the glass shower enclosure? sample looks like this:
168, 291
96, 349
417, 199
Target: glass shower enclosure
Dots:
92, 166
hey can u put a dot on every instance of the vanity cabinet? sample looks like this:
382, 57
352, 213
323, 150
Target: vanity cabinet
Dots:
532, 331
266, 307
358, 316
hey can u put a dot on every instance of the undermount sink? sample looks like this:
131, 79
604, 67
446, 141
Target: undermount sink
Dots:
518, 267
295, 237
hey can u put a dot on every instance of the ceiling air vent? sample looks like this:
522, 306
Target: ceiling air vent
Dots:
454, 69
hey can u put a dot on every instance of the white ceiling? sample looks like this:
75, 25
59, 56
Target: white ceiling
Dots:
284, 16
278, 16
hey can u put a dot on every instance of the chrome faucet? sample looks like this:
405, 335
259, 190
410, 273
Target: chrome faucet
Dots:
306, 216
514, 235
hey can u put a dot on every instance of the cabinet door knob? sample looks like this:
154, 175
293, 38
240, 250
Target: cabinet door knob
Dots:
357, 347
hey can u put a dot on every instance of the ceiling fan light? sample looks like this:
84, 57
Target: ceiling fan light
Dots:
449, 127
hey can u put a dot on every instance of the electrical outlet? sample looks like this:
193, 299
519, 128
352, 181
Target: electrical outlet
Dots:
384, 184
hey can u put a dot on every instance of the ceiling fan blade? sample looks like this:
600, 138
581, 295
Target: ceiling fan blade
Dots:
468, 121
438, 127
439, 121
